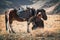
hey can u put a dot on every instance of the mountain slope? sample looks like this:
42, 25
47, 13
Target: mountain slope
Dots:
46, 4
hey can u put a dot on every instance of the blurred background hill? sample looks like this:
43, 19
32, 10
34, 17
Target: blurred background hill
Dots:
52, 5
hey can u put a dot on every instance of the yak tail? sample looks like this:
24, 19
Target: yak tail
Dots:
6, 21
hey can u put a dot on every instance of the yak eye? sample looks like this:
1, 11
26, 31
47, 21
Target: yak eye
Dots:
39, 15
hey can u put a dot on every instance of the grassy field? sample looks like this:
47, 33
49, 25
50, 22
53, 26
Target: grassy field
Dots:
51, 30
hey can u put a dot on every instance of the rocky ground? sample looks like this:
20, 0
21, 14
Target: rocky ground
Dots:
51, 30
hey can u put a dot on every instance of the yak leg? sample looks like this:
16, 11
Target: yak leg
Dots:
7, 22
28, 27
28, 23
11, 29
10, 21
7, 28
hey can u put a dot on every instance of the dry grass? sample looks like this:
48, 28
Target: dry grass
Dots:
51, 29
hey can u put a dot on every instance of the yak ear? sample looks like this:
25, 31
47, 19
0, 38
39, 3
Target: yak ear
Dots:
15, 10
44, 16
